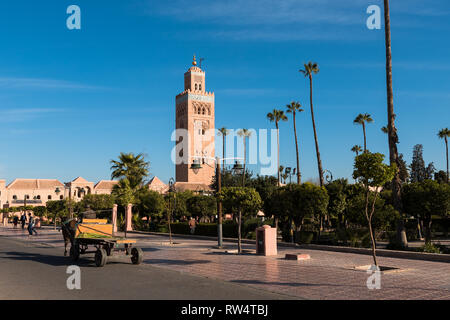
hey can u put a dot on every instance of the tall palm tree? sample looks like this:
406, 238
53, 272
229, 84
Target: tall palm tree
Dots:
223, 132
356, 149
309, 69
362, 119
444, 134
132, 167
244, 133
293, 108
277, 116
392, 131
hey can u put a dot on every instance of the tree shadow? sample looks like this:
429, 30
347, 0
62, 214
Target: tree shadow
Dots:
289, 284
150, 249
176, 262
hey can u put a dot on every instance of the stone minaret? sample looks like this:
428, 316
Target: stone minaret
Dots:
195, 113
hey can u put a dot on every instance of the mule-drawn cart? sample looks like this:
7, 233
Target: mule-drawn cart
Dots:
99, 234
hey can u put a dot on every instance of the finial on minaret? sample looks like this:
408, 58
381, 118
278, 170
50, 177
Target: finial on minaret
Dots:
194, 63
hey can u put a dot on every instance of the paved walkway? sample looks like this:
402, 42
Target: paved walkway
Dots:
327, 275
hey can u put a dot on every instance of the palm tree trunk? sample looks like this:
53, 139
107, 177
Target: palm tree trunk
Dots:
296, 150
239, 232
319, 162
245, 156
223, 153
278, 153
446, 150
278, 166
392, 131
364, 133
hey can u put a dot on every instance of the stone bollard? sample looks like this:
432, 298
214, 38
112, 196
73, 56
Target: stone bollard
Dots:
114, 218
128, 216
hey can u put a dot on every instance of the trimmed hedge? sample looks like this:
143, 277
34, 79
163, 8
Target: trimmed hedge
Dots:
229, 228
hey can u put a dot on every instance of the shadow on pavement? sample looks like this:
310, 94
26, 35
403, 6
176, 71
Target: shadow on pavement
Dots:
45, 259
176, 262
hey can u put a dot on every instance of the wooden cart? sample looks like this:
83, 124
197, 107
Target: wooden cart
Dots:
99, 234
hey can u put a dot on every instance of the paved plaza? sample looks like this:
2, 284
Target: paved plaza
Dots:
327, 275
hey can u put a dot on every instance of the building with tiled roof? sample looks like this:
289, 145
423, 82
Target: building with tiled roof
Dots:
105, 186
157, 185
36, 192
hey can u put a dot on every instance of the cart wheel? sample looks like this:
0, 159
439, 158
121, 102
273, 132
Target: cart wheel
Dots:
75, 252
100, 257
136, 255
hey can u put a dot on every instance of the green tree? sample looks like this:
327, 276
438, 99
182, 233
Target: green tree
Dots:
440, 176
337, 204
150, 203
293, 108
309, 69
124, 193
98, 202
362, 119
356, 149
372, 173
277, 116
419, 172
202, 206
40, 211
444, 134
59, 209
132, 167
425, 199
242, 200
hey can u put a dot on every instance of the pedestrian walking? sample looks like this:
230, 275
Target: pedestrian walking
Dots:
23, 220
192, 224
31, 225
15, 221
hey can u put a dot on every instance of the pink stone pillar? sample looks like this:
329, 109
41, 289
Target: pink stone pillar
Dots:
128, 216
114, 218
266, 241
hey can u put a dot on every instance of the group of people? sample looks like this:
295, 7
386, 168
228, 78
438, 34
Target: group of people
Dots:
23, 220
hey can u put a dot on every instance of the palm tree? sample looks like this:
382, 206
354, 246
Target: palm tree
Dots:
356, 149
223, 132
362, 119
444, 134
132, 167
244, 133
384, 130
310, 69
277, 116
392, 131
293, 108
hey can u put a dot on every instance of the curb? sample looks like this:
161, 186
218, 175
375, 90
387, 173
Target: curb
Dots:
435, 257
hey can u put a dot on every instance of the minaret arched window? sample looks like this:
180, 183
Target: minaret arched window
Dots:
195, 87
200, 86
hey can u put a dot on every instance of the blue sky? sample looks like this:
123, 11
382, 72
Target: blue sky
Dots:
71, 100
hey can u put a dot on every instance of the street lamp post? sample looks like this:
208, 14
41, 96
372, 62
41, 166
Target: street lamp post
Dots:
196, 166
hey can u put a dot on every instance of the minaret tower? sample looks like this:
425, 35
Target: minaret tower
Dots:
195, 114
